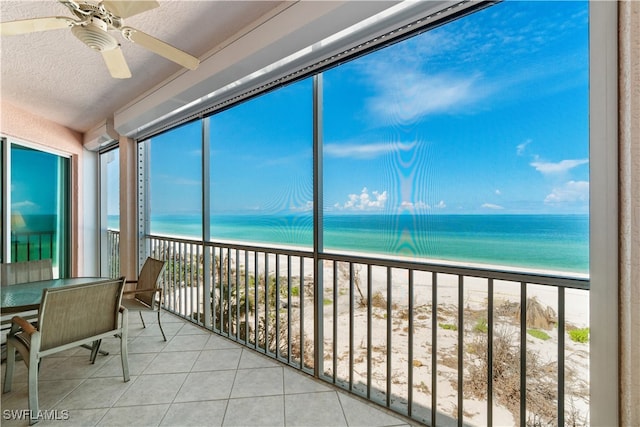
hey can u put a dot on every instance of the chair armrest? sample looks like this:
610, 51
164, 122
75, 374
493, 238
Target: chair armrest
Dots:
142, 291
147, 291
18, 322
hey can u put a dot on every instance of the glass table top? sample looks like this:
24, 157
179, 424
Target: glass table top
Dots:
27, 296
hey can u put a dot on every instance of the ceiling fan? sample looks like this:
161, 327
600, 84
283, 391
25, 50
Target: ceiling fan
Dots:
91, 25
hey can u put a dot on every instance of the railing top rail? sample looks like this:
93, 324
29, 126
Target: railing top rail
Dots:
239, 246
31, 233
539, 278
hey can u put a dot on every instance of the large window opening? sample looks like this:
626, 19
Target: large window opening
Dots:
39, 211
450, 188
468, 143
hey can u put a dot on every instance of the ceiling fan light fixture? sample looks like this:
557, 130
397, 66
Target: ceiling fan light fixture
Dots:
94, 34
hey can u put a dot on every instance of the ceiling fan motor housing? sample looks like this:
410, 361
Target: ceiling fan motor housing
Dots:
94, 34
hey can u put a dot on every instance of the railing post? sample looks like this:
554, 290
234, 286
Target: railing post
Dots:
523, 354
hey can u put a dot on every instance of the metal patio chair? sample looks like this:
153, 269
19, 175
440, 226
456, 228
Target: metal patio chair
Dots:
68, 317
147, 295
25, 271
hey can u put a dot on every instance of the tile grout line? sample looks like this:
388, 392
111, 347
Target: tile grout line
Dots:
235, 375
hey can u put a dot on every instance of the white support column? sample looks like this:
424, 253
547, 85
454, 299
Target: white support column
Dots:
128, 211
629, 287
5, 170
603, 159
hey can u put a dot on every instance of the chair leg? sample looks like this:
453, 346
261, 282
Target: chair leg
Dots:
33, 391
160, 324
11, 361
142, 319
124, 352
94, 351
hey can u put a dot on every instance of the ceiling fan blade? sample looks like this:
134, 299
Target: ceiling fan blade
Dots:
161, 48
25, 26
125, 9
116, 63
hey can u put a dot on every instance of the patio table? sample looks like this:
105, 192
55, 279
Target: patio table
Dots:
26, 296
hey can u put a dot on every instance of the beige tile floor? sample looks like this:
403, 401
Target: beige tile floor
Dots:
194, 379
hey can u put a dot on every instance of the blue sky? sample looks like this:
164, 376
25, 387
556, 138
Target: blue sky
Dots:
488, 114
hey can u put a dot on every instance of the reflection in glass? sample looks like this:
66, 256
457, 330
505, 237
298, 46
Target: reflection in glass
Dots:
40, 207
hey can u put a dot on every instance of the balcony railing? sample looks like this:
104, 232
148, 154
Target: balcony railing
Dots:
113, 251
441, 344
32, 245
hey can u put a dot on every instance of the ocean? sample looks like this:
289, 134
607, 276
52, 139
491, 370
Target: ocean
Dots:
546, 242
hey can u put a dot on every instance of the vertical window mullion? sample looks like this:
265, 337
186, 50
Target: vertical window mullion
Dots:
206, 218
317, 224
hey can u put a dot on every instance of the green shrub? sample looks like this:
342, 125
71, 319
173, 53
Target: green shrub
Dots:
295, 291
481, 326
537, 333
448, 326
579, 335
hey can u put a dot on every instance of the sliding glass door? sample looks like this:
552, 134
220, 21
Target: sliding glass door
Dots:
38, 194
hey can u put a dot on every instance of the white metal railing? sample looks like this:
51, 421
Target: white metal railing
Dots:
113, 251
410, 336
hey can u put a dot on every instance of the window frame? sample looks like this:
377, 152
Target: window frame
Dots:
70, 201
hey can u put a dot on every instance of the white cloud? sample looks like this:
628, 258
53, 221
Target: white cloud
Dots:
365, 151
171, 179
364, 201
522, 147
556, 168
498, 192
308, 206
416, 205
25, 204
412, 94
441, 205
492, 206
570, 192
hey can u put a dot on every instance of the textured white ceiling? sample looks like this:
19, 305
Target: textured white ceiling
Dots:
54, 75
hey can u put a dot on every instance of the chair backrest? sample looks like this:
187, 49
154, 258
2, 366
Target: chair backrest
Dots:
72, 313
148, 279
25, 271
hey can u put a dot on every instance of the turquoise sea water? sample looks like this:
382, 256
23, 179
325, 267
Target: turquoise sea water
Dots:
550, 242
